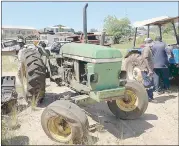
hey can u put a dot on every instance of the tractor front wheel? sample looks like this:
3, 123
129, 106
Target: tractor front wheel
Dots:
65, 122
134, 103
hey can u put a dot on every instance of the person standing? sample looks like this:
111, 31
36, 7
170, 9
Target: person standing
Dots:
147, 67
145, 70
20, 58
161, 70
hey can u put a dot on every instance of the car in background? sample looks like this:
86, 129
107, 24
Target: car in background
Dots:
9, 45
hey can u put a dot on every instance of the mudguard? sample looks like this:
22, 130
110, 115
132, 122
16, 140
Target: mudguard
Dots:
131, 51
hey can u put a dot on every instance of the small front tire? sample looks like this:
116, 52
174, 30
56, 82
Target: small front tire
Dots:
134, 106
65, 122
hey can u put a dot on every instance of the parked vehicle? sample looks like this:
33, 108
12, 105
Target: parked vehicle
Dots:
9, 45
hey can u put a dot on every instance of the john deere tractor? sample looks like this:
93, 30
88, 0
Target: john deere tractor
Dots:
94, 73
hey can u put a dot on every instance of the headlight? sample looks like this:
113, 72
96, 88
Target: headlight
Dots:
94, 78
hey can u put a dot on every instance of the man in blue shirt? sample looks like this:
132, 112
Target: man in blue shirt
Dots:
161, 71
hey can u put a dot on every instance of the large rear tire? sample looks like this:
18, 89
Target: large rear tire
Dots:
65, 122
133, 105
33, 75
131, 62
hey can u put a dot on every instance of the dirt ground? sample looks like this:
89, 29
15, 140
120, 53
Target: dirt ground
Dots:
158, 126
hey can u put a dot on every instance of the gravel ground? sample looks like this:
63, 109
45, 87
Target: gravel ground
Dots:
158, 126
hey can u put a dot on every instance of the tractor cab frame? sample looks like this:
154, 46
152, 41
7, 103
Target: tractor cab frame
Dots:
160, 21
131, 58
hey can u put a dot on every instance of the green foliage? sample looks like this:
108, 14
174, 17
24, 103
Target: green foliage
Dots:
60, 27
117, 37
140, 40
117, 27
168, 28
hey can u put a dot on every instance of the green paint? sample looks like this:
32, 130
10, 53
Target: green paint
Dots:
90, 51
108, 75
107, 87
105, 95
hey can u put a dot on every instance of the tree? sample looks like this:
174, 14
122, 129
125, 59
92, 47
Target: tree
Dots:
168, 28
61, 29
118, 28
93, 30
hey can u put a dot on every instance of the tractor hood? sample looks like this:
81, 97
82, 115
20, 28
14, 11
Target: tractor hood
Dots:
90, 51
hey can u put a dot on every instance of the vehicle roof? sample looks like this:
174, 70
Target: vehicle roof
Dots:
90, 51
19, 27
9, 40
73, 36
156, 21
82, 34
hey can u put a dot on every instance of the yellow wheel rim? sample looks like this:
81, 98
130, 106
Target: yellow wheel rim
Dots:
59, 129
129, 102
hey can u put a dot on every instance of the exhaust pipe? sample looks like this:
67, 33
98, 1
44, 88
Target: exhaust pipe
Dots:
102, 38
85, 23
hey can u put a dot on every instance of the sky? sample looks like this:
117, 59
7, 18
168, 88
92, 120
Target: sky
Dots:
43, 14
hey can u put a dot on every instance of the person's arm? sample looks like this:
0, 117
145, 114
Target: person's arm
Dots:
147, 65
146, 58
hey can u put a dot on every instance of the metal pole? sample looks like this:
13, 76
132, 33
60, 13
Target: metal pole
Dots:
135, 36
85, 23
175, 32
160, 29
102, 38
148, 29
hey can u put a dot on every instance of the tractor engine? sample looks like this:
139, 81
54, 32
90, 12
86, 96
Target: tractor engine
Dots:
67, 70
87, 67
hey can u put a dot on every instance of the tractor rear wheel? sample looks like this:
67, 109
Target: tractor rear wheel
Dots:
130, 63
65, 122
32, 75
134, 103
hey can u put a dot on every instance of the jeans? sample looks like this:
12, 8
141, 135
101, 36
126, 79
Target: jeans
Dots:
161, 79
148, 84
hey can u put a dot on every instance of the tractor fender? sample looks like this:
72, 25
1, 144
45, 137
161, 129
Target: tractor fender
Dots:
132, 51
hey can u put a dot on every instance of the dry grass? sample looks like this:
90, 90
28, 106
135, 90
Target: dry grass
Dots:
9, 123
129, 45
19, 89
34, 103
9, 64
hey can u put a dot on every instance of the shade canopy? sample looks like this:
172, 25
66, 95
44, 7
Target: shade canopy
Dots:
156, 21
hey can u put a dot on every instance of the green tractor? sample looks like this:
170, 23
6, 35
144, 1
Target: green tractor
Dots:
92, 71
